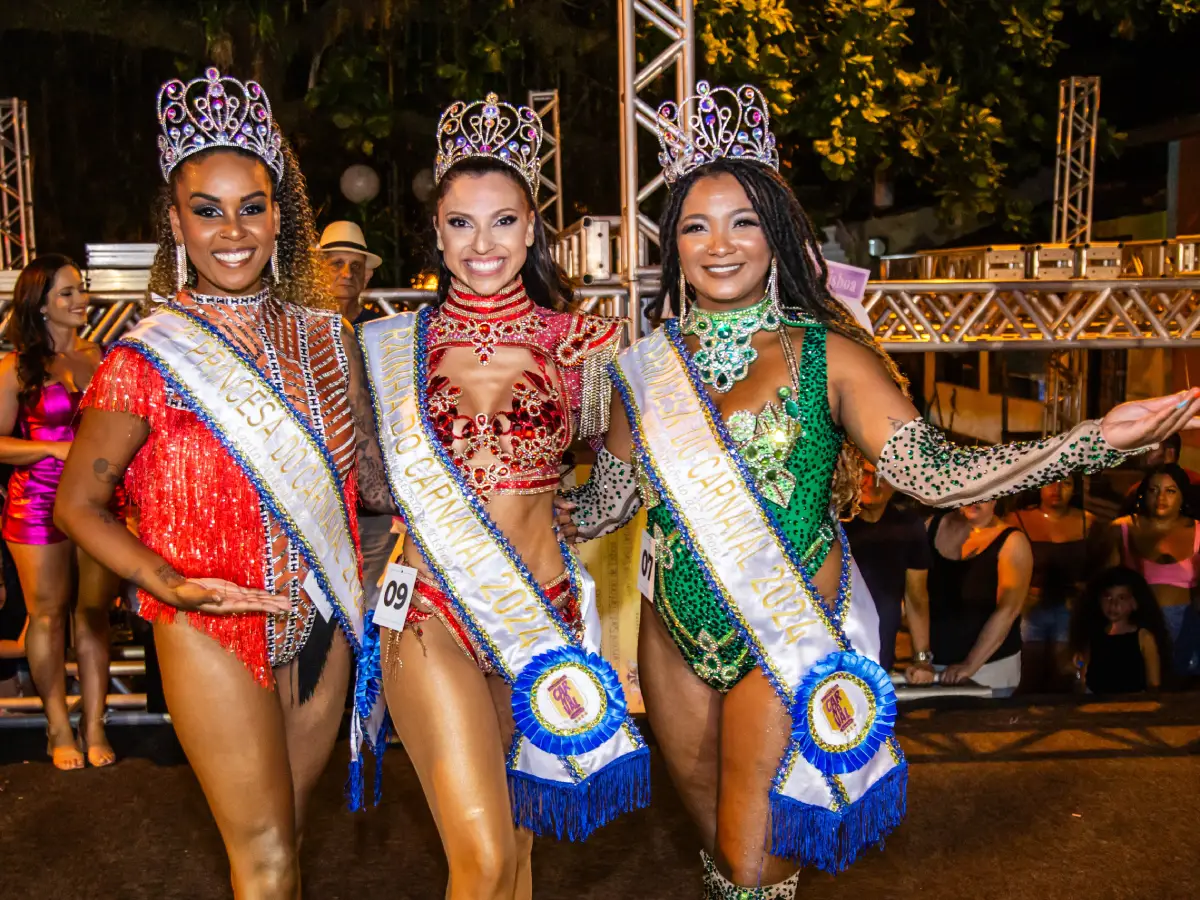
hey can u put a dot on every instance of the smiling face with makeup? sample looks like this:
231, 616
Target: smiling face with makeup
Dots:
485, 227
723, 249
224, 213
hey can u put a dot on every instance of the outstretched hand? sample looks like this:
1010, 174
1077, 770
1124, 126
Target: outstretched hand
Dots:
218, 597
564, 522
1142, 423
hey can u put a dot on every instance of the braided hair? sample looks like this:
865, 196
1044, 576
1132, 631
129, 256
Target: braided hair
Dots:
802, 279
304, 279
545, 282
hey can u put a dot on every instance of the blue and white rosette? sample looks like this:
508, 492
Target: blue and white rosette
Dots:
568, 701
845, 710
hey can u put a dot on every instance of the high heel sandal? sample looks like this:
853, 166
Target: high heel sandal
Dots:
98, 755
64, 758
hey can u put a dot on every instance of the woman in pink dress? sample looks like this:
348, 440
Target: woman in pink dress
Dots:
41, 383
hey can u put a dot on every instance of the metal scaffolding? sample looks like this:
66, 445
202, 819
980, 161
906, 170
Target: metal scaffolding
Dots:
1034, 315
1075, 165
17, 246
545, 104
675, 21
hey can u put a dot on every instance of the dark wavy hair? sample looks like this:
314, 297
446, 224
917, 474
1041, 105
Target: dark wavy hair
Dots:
1176, 474
545, 283
802, 278
1088, 622
27, 330
303, 276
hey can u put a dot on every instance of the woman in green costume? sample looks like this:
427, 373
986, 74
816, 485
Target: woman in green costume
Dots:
758, 660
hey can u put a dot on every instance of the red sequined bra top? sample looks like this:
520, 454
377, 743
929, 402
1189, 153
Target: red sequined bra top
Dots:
564, 393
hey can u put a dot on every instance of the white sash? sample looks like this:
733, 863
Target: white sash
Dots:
577, 761
836, 789
290, 467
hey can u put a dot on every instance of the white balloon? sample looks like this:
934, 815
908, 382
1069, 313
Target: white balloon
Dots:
359, 183
423, 185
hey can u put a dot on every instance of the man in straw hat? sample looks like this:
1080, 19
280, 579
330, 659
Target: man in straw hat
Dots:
353, 265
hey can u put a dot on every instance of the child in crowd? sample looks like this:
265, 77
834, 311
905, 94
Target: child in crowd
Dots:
1118, 636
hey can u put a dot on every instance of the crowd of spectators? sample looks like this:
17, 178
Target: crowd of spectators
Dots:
1037, 594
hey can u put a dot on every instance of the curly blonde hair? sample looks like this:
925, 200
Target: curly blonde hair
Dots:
304, 277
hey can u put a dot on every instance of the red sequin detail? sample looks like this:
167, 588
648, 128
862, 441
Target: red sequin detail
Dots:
195, 506
430, 601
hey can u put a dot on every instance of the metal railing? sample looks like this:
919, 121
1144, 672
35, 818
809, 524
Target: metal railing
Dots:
993, 315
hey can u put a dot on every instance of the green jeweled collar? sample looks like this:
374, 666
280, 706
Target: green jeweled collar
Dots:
725, 353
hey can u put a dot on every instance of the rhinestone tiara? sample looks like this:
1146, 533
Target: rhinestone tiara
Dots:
722, 123
491, 128
216, 111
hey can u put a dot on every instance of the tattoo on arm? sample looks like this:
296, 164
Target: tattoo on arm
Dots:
107, 515
106, 471
896, 424
167, 574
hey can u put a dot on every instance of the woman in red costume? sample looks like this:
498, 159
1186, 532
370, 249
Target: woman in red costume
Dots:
503, 383
40, 386
245, 374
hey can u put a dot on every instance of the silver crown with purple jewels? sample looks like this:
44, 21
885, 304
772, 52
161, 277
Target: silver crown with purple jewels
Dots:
491, 128
721, 123
216, 111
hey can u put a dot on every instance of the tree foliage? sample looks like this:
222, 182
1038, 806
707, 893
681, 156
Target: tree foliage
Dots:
955, 99
947, 100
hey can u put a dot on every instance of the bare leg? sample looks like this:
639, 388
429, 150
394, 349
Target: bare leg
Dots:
234, 735
97, 588
685, 714
46, 575
445, 715
755, 730
502, 700
312, 728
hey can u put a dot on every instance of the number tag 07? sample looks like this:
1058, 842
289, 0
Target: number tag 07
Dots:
392, 607
646, 567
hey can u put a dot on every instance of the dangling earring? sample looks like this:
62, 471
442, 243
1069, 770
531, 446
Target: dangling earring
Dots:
275, 263
683, 298
773, 283
181, 272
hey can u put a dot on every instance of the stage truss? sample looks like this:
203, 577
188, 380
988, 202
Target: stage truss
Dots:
17, 246
641, 25
1075, 165
1036, 315
545, 104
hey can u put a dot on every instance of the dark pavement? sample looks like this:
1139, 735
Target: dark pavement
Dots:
1016, 802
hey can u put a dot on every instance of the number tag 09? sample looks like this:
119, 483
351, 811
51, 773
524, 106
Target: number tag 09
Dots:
395, 596
646, 567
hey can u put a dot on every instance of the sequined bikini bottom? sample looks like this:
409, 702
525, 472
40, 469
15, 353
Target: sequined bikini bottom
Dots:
430, 602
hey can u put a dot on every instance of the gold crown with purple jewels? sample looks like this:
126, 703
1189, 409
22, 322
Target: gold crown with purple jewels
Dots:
216, 110
493, 129
722, 123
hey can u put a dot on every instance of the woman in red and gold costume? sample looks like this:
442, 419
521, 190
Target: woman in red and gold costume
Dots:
515, 724
229, 415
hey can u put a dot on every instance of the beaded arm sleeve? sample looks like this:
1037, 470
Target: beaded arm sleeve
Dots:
607, 500
921, 462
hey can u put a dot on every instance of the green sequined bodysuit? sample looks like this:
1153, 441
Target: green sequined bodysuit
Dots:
792, 463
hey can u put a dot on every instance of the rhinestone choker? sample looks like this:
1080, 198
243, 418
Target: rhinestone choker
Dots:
725, 352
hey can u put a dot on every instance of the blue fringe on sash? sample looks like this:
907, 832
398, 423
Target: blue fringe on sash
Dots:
368, 680
831, 841
574, 811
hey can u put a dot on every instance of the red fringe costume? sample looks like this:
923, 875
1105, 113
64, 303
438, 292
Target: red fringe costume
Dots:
196, 507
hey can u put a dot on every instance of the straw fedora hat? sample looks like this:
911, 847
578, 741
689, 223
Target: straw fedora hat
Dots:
347, 236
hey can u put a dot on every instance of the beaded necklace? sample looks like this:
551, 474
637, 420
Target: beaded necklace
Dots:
725, 352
